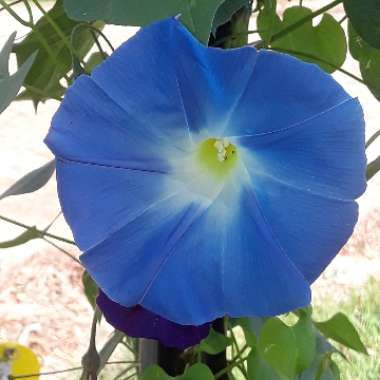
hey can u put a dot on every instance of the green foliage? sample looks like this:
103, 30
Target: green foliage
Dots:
197, 16
29, 234
372, 168
195, 372
340, 329
278, 346
258, 368
305, 341
214, 343
11, 84
226, 11
32, 181
369, 59
90, 289
364, 16
51, 37
324, 44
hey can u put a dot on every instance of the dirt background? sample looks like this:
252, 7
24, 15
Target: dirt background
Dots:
41, 298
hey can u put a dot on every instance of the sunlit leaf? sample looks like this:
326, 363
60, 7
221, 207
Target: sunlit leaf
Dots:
32, 181
340, 329
155, 373
197, 372
277, 344
258, 368
324, 44
306, 341
214, 343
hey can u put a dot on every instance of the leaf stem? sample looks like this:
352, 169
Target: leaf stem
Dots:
372, 139
68, 254
43, 233
8, 8
12, 4
233, 363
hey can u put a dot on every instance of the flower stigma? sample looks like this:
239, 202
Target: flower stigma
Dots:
217, 156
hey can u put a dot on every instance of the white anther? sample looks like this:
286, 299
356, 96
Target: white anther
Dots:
226, 143
221, 157
219, 145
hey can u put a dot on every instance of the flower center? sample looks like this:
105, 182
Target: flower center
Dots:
217, 156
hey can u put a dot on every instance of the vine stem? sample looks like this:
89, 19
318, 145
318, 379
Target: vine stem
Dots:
12, 4
8, 8
68, 254
299, 23
237, 361
372, 138
42, 232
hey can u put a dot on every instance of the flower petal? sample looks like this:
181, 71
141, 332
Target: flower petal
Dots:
282, 91
98, 200
90, 127
164, 67
306, 178
140, 323
324, 154
221, 261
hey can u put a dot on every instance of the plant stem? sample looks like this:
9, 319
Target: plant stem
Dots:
8, 8
12, 4
68, 254
299, 23
233, 363
372, 138
43, 233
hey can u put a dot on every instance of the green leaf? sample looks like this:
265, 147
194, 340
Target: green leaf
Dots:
258, 368
155, 373
323, 349
54, 58
277, 344
365, 17
29, 234
340, 329
94, 60
196, 15
90, 289
11, 84
214, 343
226, 11
32, 181
328, 370
306, 341
324, 44
197, 372
369, 59
372, 168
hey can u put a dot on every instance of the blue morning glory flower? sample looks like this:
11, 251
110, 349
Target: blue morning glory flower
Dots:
201, 182
140, 323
